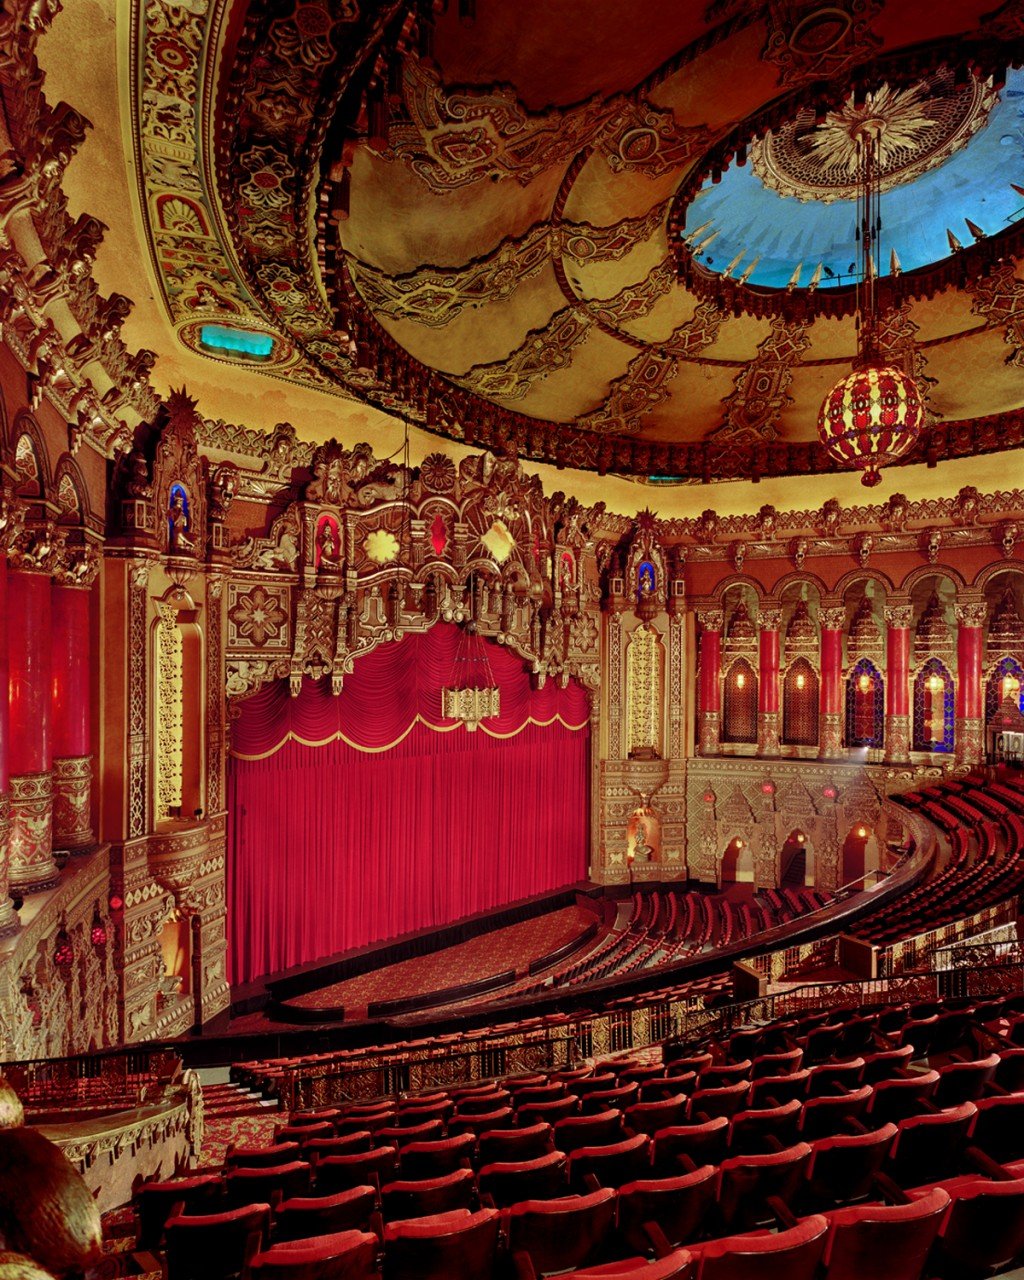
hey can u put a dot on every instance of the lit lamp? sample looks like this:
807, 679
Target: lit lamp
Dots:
864, 682
874, 415
473, 694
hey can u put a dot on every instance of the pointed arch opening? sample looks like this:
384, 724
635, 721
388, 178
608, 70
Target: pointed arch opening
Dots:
865, 705
800, 705
739, 704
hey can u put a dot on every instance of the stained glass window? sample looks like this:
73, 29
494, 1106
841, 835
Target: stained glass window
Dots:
865, 706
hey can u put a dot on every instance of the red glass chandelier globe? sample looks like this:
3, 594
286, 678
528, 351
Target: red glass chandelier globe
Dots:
870, 418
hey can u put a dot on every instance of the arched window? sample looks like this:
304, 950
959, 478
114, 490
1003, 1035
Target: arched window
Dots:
800, 705
1005, 681
933, 708
865, 706
739, 704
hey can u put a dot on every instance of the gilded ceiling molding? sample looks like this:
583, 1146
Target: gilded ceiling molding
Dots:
644, 384
634, 301
897, 342
647, 139
999, 297
809, 41
544, 350
451, 137
47, 258
753, 408
435, 296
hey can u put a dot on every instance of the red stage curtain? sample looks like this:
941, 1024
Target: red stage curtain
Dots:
337, 845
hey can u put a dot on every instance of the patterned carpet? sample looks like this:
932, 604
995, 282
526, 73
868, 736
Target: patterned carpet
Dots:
513, 947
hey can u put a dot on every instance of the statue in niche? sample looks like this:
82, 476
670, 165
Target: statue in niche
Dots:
328, 546
179, 523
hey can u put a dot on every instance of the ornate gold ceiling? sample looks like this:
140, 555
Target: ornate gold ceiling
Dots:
475, 217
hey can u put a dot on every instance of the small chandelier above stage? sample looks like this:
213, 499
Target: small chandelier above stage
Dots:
874, 415
472, 695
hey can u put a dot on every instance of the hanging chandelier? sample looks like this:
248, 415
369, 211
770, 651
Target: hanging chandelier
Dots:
472, 694
874, 415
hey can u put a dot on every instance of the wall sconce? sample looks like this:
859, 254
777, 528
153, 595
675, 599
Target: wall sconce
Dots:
98, 930
741, 679
864, 682
801, 838
861, 832
801, 680
63, 950
934, 683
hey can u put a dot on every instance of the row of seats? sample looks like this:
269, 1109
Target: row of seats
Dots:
965, 1228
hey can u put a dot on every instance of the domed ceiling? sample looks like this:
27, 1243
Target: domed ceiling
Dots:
612, 236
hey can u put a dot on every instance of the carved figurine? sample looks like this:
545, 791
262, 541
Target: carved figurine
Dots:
328, 546
177, 516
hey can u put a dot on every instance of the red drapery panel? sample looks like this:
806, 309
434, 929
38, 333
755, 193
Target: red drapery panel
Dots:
390, 825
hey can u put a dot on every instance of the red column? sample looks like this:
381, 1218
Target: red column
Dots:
830, 697
8, 916
72, 727
30, 759
709, 692
768, 683
969, 727
897, 682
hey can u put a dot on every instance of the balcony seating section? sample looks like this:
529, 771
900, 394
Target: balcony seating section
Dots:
832, 1145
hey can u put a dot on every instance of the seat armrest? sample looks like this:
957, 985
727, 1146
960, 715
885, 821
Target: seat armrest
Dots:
773, 1143
785, 1216
591, 1182
686, 1163
659, 1241
891, 1190
486, 1200
854, 1125
525, 1269
986, 1165
377, 1224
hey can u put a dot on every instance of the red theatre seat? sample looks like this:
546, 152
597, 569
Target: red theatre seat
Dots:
301, 1217
785, 1255
338, 1173
279, 1182
679, 1206
677, 1265
449, 1246
508, 1181
930, 1146
428, 1196
701, 1143
887, 1242
433, 1159
516, 1144
563, 1233
262, 1157
346, 1255
746, 1182
216, 1245
586, 1131
154, 1202
843, 1167
613, 1164
983, 1231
